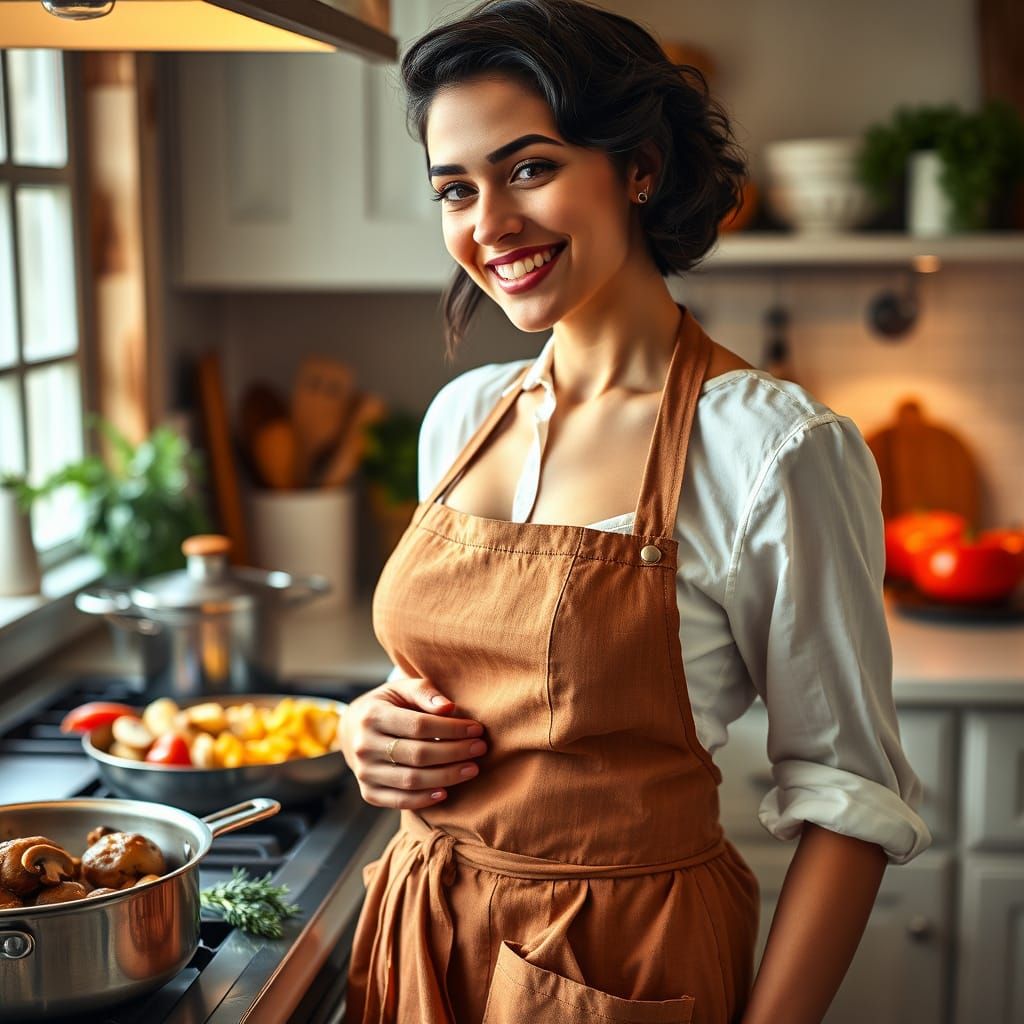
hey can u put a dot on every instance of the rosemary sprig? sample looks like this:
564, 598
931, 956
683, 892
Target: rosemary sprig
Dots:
252, 904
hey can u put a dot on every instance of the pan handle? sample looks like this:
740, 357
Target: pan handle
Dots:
240, 815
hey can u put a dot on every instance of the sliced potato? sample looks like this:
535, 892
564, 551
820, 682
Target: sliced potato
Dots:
209, 717
123, 750
131, 732
201, 751
159, 716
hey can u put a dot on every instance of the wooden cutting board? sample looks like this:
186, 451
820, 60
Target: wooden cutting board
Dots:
924, 465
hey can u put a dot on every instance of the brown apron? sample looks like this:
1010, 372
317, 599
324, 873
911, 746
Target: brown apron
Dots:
583, 875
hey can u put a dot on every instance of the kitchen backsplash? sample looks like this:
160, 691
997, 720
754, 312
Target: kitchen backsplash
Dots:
964, 360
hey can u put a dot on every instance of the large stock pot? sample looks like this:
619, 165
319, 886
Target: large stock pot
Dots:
208, 628
86, 955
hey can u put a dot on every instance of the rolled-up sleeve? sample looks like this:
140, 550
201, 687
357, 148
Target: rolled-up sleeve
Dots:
805, 604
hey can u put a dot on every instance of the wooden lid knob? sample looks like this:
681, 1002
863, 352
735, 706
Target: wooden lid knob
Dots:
206, 544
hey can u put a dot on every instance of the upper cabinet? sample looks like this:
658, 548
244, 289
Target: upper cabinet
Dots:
297, 171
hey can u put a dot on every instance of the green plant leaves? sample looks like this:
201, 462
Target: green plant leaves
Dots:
141, 507
982, 153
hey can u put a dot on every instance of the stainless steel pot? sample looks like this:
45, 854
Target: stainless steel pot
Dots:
208, 628
201, 789
83, 956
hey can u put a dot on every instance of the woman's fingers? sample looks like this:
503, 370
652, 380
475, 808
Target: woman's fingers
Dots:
406, 779
419, 725
427, 753
379, 796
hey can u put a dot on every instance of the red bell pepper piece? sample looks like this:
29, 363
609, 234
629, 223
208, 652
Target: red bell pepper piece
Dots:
170, 748
90, 716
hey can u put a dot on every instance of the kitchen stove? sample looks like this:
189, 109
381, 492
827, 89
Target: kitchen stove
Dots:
317, 849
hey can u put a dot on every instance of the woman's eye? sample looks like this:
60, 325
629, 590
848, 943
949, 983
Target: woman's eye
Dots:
446, 192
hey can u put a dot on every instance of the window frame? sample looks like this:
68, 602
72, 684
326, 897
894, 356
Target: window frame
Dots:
72, 175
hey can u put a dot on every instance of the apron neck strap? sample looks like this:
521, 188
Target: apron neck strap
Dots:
666, 456
658, 503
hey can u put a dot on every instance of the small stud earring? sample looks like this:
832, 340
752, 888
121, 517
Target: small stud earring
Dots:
641, 197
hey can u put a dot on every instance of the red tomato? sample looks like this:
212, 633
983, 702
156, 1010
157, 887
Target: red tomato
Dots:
912, 532
966, 571
89, 716
1007, 538
170, 748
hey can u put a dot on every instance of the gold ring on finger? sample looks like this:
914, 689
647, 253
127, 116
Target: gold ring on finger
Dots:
389, 750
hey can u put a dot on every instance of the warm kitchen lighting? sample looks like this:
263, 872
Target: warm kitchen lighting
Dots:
927, 264
256, 25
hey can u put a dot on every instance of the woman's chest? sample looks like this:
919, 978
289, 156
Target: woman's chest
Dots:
591, 462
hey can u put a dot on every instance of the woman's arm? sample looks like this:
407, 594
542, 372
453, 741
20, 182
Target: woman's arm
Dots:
823, 908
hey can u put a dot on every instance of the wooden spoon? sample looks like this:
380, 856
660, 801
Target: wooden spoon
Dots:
320, 400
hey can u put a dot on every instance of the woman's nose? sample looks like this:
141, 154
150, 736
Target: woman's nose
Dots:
496, 217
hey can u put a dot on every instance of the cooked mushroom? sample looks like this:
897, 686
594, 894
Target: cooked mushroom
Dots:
99, 892
26, 864
98, 833
63, 892
139, 881
122, 857
8, 900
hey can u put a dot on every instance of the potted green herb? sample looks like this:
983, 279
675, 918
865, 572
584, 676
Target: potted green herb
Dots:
973, 159
389, 464
141, 506
19, 563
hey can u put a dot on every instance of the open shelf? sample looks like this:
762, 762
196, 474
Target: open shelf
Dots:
748, 250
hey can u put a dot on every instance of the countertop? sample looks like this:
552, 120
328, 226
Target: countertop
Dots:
936, 663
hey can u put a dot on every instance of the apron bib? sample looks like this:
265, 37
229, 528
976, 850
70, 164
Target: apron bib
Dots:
583, 875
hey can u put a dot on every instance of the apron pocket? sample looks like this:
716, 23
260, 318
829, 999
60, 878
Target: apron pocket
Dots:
521, 991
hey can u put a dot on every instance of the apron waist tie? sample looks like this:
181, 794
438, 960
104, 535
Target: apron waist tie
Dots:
434, 851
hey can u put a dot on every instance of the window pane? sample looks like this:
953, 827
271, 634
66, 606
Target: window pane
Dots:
54, 440
35, 81
12, 452
8, 325
3, 117
50, 325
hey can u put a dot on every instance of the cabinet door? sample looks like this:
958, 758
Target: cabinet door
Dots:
900, 972
258, 166
993, 780
991, 941
297, 171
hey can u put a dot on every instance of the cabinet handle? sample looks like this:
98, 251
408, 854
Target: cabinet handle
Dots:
920, 928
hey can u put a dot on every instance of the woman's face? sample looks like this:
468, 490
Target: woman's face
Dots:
500, 194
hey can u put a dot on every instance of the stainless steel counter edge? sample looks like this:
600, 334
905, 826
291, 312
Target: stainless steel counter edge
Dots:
262, 981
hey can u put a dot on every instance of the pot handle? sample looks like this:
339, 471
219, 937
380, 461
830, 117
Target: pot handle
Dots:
240, 815
15, 945
305, 588
116, 606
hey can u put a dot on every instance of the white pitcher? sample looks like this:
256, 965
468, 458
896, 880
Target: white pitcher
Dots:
19, 565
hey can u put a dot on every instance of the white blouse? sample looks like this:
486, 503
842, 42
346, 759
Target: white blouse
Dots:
779, 588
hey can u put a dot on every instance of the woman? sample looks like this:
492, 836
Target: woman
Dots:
560, 856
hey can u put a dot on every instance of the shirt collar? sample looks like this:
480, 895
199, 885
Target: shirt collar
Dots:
540, 370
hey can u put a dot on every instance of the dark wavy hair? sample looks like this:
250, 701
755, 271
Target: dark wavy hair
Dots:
610, 86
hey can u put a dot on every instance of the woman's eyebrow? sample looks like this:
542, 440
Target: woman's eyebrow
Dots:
497, 156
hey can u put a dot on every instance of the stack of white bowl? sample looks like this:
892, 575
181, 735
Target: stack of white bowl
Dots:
812, 185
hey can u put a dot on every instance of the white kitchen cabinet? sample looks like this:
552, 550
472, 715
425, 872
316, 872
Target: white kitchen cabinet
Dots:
991, 968
900, 972
993, 780
296, 171
945, 941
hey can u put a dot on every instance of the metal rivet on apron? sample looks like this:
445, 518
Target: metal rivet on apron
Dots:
649, 553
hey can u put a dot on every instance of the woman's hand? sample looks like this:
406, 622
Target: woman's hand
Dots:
430, 749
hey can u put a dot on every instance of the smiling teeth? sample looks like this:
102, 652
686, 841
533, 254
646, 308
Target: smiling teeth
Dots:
513, 271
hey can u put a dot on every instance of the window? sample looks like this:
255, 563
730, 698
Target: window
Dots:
40, 287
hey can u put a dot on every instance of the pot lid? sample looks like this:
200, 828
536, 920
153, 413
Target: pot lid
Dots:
204, 585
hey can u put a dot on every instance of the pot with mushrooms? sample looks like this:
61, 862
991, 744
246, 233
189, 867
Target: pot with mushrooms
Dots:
119, 878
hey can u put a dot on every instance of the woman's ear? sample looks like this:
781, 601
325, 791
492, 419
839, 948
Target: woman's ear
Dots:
644, 169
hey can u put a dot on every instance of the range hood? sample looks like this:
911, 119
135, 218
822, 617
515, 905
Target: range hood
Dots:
358, 26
